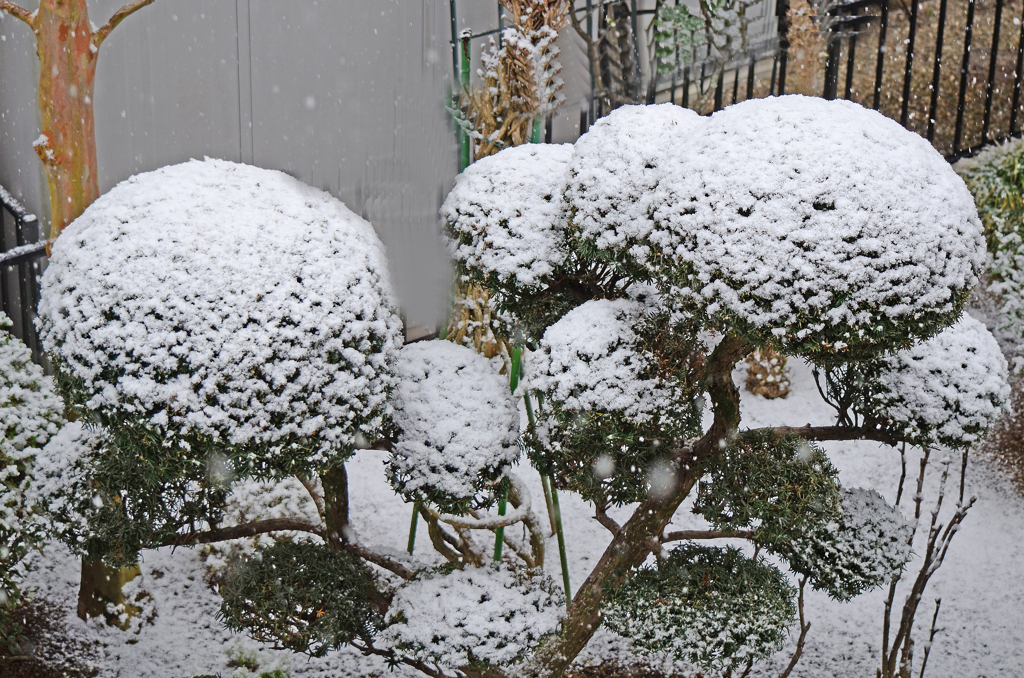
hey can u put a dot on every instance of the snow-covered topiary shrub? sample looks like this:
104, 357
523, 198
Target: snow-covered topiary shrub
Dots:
708, 606
457, 426
453, 618
262, 329
223, 325
866, 544
30, 414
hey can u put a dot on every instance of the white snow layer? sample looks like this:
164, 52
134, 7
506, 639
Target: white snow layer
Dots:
616, 167
795, 213
493, 613
589, 360
225, 299
510, 207
456, 416
949, 389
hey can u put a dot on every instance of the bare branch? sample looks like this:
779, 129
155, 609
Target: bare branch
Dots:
820, 433
605, 519
804, 628
245, 530
120, 15
707, 534
315, 489
18, 12
378, 559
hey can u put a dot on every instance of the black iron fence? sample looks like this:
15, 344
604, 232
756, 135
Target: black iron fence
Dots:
21, 260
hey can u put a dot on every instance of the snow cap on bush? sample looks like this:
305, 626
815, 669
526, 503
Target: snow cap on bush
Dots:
616, 168
590, 360
506, 213
457, 424
949, 389
821, 226
495, 614
215, 304
862, 549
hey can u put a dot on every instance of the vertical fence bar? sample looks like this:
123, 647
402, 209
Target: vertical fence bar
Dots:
990, 83
455, 45
26, 285
933, 106
832, 69
593, 77
501, 22
736, 83
965, 67
5, 288
851, 59
908, 74
782, 9
636, 48
718, 88
686, 87
883, 26
775, 72
1016, 78
464, 144
750, 76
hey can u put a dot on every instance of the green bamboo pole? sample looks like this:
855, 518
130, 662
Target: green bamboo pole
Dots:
412, 526
538, 125
561, 545
513, 382
466, 37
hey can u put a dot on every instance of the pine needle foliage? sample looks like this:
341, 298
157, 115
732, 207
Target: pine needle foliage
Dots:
712, 607
301, 596
779, 488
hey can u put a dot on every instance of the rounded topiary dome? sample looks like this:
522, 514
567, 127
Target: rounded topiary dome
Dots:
820, 226
224, 307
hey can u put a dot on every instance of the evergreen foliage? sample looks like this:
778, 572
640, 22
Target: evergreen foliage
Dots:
302, 596
30, 414
712, 607
778, 488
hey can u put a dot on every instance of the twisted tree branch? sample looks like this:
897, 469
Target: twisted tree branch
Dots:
18, 12
120, 15
245, 530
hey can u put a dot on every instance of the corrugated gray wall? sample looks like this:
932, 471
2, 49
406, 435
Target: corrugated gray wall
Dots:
347, 95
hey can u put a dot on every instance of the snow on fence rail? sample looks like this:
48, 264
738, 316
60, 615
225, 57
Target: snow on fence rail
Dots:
21, 257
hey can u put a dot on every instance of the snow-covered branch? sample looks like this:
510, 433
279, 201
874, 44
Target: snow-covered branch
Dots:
245, 530
120, 15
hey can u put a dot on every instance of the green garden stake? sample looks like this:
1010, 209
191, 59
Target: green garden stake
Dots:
465, 38
412, 526
538, 125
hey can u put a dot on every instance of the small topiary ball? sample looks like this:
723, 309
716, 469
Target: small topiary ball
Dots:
863, 548
948, 390
494, 614
457, 426
211, 307
611, 399
819, 227
712, 607
302, 596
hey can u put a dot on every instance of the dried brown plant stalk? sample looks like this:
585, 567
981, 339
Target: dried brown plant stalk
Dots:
807, 48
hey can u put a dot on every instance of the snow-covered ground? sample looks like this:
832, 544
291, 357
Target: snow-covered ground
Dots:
981, 624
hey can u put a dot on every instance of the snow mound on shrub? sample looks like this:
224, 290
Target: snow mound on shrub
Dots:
821, 224
616, 168
457, 420
949, 389
505, 214
495, 613
589, 360
227, 301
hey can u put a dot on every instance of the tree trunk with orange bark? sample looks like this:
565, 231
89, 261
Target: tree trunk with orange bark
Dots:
68, 47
